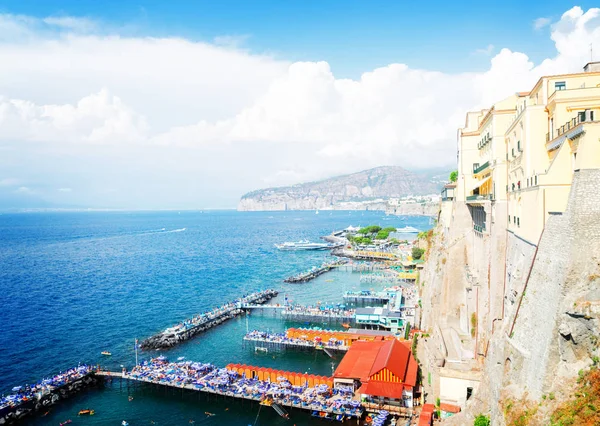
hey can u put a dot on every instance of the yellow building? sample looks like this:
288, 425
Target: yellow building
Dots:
555, 132
482, 161
525, 149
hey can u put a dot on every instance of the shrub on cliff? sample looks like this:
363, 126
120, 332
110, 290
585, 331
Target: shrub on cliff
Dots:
584, 408
482, 420
417, 253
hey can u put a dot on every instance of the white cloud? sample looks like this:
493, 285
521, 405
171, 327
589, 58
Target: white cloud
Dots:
23, 190
230, 118
540, 23
486, 52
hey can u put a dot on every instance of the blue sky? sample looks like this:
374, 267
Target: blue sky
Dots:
190, 104
353, 36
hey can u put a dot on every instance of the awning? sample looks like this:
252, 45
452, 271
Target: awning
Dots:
383, 389
482, 182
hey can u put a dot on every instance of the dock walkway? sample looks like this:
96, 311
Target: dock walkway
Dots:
313, 394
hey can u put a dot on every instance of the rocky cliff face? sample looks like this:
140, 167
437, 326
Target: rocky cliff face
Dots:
528, 319
368, 185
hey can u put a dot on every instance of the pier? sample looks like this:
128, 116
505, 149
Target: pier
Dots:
264, 385
29, 399
366, 297
315, 272
191, 327
280, 341
308, 313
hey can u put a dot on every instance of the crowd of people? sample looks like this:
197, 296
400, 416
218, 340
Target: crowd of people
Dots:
327, 311
207, 377
220, 311
262, 336
36, 391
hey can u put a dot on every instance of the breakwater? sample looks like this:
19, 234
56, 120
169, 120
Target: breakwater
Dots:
314, 272
38, 398
202, 322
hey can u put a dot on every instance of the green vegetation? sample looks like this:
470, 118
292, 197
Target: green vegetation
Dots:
473, 324
454, 176
360, 240
373, 229
407, 331
482, 420
584, 408
417, 253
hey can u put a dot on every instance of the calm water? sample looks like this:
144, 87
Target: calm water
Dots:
75, 284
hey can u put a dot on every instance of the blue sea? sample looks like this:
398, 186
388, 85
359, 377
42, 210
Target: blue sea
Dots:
75, 284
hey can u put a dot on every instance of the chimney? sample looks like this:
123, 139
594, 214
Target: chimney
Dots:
592, 67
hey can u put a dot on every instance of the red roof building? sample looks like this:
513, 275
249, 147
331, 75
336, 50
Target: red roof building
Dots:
382, 369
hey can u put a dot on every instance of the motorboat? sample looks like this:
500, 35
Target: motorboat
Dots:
105, 353
306, 245
86, 412
407, 230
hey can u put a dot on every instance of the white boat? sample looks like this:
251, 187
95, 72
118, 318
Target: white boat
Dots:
305, 245
408, 230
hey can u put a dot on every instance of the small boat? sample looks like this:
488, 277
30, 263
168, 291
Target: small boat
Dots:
407, 230
105, 353
86, 412
124, 423
181, 358
66, 422
306, 245
209, 414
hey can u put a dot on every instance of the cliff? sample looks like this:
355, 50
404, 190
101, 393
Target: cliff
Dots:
366, 190
512, 321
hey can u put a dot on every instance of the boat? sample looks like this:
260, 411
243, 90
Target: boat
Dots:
407, 230
66, 422
105, 353
306, 245
317, 211
124, 423
86, 412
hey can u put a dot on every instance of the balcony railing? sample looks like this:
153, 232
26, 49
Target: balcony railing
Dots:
479, 197
479, 228
478, 169
570, 125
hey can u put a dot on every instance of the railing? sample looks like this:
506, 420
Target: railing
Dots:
480, 168
569, 125
479, 228
479, 197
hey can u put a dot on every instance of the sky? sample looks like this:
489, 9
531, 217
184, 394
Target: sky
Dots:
190, 104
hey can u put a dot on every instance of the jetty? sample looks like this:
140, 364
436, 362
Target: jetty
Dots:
266, 386
280, 341
315, 272
29, 399
202, 322
366, 296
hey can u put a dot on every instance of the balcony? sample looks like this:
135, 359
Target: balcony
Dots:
480, 168
570, 130
478, 198
479, 228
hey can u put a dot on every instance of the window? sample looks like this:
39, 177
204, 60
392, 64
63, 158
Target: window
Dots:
560, 85
536, 179
518, 221
519, 146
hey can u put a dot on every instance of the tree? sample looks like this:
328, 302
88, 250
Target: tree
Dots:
453, 176
417, 253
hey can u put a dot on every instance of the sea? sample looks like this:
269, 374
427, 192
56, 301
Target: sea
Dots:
74, 284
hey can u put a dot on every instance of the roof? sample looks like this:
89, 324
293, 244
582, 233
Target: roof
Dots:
365, 359
450, 185
449, 408
426, 416
384, 389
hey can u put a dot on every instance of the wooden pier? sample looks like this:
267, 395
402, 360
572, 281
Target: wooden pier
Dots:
366, 297
267, 400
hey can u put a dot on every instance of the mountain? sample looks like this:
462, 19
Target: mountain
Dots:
341, 191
